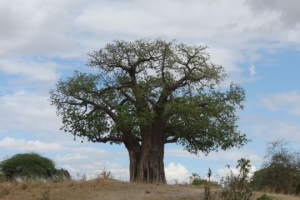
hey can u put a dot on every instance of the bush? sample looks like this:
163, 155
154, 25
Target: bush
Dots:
280, 172
198, 182
29, 166
195, 179
265, 197
3, 178
237, 187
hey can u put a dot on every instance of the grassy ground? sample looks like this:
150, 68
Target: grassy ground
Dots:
104, 189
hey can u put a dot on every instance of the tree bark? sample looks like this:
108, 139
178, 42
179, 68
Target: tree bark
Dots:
147, 164
147, 167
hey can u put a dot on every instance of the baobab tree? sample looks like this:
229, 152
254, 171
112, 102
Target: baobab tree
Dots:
145, 94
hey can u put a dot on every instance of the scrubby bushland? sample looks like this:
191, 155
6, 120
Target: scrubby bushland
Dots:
281, 170
29, 166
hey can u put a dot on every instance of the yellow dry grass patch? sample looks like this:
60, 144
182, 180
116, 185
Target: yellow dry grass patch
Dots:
103, 189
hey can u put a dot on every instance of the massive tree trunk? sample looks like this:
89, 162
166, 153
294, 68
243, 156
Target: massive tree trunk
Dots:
147, 167
147, 162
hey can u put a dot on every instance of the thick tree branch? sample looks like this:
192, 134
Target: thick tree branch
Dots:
108, 139
98, 106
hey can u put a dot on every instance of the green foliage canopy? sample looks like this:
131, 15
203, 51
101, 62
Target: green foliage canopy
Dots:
138, 83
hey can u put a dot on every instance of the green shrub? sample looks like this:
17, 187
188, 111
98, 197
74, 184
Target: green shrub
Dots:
237, 187
198, 182
265, 197
29, 166
3, 178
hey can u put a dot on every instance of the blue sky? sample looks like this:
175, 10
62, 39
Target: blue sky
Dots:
257, 42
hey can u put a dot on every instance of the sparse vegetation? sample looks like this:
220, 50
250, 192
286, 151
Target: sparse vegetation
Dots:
232, 187
101, 187
105, 174
237, 187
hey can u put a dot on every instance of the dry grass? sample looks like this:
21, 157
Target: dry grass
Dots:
104, 189
96, 189
276, 196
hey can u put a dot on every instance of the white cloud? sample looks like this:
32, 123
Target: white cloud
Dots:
73, 152
252, 70
224, 172
289, 13
37, 27
35, 71
90, 150
229, 155
178, 172
29, 146
29, 112
287, 101
91, 165
72, 28
265, 128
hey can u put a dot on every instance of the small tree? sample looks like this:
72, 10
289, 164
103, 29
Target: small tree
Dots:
207, 191
193, 177
244, 166
29, 166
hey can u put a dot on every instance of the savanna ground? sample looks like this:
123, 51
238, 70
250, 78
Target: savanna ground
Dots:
106, 189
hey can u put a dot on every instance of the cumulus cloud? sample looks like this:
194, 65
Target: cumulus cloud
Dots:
73, 28
176, 172
287, 101
28, 146
38, 27
289, 13
34, 71
29, 112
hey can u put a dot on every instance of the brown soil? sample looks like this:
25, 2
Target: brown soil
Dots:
101, 189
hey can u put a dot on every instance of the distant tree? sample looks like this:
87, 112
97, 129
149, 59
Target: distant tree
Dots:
244, 166
195, 179
146, 94
209, 174
29, 166
281, 170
